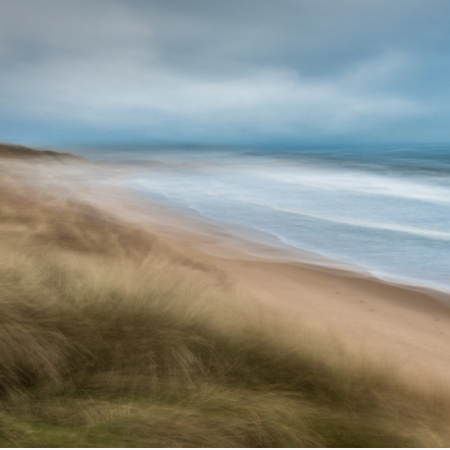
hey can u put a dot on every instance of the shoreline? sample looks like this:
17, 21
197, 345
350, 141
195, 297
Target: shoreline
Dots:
406, 326
279, 252
132, 332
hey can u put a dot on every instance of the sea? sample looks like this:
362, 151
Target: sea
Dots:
382, 209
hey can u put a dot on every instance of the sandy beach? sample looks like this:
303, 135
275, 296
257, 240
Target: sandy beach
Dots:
398, 324
401, 324
411, 328
407, 327
127, 300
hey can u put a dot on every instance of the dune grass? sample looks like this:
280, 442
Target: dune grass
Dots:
110, 338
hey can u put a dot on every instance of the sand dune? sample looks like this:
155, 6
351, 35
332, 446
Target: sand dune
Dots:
371, 315
125, 323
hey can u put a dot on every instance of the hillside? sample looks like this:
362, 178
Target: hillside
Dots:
11, 151
108, 337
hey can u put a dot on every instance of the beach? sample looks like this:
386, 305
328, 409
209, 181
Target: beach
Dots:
403, 324
406, 325
142, 325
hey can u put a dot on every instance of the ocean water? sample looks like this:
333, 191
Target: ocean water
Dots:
383, 209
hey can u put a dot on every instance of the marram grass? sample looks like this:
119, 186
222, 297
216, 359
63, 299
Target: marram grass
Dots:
110, 338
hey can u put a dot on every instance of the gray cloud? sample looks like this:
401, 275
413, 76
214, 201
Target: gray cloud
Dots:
247, 71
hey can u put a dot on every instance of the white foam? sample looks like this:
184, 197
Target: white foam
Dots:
432, 234
351, 181
258, 201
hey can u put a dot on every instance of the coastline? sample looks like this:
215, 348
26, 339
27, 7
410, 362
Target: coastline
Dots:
402, 324
259, 247
119, 302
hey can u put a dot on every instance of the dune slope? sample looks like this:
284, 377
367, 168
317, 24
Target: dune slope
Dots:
108, 337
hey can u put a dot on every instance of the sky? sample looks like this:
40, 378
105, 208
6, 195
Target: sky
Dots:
216, 72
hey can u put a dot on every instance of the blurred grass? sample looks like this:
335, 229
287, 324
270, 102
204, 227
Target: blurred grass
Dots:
110, 338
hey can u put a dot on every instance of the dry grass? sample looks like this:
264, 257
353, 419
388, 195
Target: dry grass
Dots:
109, 338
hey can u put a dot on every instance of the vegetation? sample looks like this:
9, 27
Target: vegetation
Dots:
9, 151
110, 338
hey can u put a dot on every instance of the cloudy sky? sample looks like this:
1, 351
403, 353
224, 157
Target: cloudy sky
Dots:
244, 72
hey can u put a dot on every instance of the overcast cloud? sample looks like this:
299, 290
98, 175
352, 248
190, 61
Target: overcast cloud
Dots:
224, 72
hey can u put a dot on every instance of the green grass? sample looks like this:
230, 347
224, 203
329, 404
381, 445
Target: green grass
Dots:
110, 338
